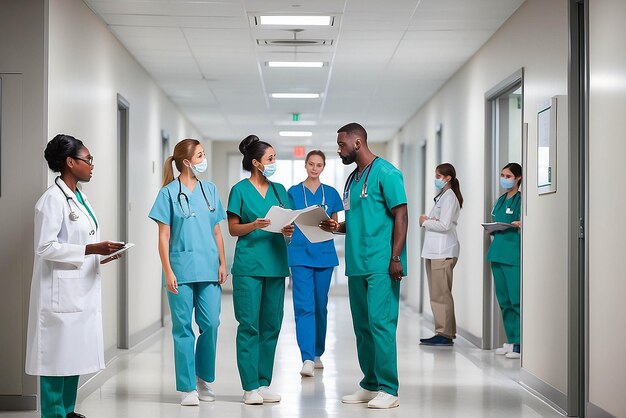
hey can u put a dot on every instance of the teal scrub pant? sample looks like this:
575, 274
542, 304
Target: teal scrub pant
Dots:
205, 298
374, 301
507, 281
58, 395
310, 301
259, 304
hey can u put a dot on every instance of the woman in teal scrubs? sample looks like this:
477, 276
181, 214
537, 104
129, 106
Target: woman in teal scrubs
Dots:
259, 269
312, 265
188, 211
504, 255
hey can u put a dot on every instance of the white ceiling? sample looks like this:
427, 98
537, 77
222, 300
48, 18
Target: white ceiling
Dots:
386, 59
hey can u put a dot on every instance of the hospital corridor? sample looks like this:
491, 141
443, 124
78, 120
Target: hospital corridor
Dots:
312, 208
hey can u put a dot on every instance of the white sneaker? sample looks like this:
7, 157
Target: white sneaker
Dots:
513, 355
383, 400
360, 396
252, 397
268, 395
318, 363
307, 369
190, 399
506, 348
205, 391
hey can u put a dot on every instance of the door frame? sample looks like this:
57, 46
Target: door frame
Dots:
123, 129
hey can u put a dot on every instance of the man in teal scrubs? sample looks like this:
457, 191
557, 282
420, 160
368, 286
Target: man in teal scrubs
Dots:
376, 225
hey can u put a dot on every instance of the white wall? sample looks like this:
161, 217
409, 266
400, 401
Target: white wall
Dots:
88, 67
607, 287
459, 107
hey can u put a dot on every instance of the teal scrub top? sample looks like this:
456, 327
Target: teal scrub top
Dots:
369, 221
259, 253
194, 256
302, 252
505, 247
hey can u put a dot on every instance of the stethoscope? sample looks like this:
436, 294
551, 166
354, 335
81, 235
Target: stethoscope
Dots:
182, 195
352, 176
323, 205
501, 201
73, 215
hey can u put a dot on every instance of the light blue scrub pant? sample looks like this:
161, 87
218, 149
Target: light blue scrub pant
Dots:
205, 298
310, 300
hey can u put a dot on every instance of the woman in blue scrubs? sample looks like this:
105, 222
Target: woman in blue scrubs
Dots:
312, 265
191, 247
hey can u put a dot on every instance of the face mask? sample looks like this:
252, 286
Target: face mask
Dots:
439, 183
269, 170
199, 168
507, 184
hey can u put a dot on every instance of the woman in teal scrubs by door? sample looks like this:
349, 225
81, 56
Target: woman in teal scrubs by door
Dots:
504, 255
188, 211
312, 265
259, 269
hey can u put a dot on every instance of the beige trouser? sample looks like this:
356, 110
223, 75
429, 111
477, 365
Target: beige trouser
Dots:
439, 274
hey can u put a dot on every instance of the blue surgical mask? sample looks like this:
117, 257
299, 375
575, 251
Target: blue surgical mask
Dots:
199, 168
507, 184
439, 183
269, 170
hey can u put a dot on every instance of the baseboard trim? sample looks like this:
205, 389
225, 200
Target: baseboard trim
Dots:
544, 391
594, 411
18, 402
139, 336
429, 321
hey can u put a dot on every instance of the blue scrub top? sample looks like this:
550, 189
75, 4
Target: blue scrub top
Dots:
193, 250
302, 252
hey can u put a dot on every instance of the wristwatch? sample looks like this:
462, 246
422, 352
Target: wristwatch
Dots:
395, 258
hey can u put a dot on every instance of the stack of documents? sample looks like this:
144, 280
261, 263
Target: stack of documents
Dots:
492, 227
307, 220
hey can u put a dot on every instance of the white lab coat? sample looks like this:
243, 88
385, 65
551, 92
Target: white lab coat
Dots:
65, 316
440, 239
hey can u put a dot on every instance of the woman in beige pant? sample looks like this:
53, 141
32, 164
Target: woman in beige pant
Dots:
441, 252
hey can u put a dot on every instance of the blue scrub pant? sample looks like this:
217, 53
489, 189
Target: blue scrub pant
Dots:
374, 301
507, 281
310, 300
58, 395
205, 298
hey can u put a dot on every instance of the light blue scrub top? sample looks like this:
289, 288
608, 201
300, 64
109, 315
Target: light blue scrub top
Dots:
193, 250
302, 252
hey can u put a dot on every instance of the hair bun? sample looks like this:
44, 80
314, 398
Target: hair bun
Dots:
247, 142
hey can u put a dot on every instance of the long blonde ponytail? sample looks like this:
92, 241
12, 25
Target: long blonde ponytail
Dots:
168, 171
182, 151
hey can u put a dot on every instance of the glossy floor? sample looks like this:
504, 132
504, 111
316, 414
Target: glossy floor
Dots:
463, 381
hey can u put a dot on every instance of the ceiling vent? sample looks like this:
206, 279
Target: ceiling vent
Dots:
294, 42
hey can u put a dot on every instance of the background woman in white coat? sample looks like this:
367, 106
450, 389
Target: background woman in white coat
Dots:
65, 315
441, 252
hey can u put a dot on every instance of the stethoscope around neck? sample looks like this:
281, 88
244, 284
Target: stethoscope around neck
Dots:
73, 215
501, 202
306, 204
182, 196
352, 176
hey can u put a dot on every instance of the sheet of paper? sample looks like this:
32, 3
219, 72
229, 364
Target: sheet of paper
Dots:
496, 226
123, 250
281, 217
308, 223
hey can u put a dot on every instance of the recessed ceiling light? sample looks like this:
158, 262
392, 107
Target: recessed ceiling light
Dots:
295, 95
295, 133
295, 64
296, 20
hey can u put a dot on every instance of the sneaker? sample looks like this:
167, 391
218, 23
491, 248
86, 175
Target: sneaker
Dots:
383, 400
506, 348
360, 396
307, 369
205, 391
318, 363
252, 397
516, 353
267, 394
438, 340
190, 399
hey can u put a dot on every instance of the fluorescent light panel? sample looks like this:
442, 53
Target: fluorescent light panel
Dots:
295, 64
295, 133
296, 20
295, 95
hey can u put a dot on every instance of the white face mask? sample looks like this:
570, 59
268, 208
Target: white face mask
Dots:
199, 168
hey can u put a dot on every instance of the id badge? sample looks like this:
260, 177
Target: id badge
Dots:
346, 201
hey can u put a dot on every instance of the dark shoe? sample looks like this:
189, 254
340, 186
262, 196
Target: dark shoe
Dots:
74, 415
438, 340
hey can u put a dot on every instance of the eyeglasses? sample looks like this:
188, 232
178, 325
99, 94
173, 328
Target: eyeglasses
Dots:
88, 160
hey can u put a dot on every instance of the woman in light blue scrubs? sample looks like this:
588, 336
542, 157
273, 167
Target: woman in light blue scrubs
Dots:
191, 247
312, 265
